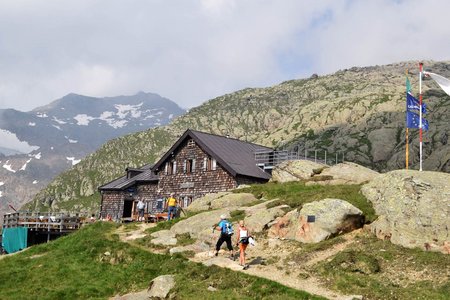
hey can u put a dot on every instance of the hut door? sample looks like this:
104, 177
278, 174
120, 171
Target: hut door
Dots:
186, 201
127, 208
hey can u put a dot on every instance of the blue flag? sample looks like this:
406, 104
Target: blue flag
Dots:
412, 121
412, 104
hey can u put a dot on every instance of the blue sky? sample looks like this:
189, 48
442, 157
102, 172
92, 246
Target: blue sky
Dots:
193, 50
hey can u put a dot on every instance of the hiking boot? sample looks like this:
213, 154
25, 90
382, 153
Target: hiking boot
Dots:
216, 254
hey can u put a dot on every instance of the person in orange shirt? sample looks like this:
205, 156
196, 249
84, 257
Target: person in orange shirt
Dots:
242, 241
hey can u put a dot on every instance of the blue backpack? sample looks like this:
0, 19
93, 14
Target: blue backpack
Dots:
227, 228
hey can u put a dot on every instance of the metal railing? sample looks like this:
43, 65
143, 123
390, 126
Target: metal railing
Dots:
269, 159
58, 222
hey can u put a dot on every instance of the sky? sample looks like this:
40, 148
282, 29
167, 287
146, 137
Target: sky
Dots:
191, 51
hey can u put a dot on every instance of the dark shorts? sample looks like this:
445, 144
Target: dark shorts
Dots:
224, 238
141, 212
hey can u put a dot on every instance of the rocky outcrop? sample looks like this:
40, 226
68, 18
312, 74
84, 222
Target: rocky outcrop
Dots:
344, 173
221, 200
260, 218
413, 208
318, 221
200, 226
164, 237
295, 170
160, 287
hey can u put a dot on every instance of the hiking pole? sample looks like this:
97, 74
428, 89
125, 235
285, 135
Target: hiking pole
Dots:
212, 241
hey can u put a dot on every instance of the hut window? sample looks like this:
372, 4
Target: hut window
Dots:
189, 166
160, 204
171, 168
191, 143
209, 164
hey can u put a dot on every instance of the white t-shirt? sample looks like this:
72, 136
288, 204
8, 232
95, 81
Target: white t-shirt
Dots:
141, 204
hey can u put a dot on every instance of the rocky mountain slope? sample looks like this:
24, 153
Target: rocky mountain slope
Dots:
359, 112
37, 145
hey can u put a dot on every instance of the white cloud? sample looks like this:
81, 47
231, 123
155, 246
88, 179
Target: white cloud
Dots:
194, 50
10, 140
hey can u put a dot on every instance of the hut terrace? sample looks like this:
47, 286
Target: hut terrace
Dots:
197, 164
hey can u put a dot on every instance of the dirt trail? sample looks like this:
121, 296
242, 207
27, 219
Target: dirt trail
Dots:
291, 275
131, 235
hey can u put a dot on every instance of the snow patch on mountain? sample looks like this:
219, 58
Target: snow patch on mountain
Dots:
8, 167
1, 194
124, 110
2, 183
35, 181
57, 127
37, 156
41, 115
72, 141
73, 160
59, 121
31, 124
25, 165
83, 119
10, 140
106, 115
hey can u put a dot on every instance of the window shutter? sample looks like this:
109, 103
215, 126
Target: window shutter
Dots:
205, 162
214, 164
184, 167
193, 165
174, 171
165, 169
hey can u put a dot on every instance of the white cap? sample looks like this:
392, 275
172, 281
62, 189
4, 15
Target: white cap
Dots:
223, 216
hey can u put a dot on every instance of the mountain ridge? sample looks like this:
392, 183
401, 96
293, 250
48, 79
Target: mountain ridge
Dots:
357, 111
54, 137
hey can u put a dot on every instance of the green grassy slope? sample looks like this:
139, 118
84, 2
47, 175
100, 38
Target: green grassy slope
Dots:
76, 267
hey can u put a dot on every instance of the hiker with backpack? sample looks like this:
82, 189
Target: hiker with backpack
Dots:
226, 231
242, 240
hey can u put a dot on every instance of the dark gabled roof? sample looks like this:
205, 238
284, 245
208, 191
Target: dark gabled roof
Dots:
123, 182
140, 169
237, 157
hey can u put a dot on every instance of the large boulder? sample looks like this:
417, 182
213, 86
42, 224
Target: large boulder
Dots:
413, 208
221, 200
381, 141
259, 219
159, 288
318, 220
345, 173
295, 170
200, 225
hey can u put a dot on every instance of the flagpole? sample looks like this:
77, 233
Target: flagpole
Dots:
407, 142
407, 149
420, 114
